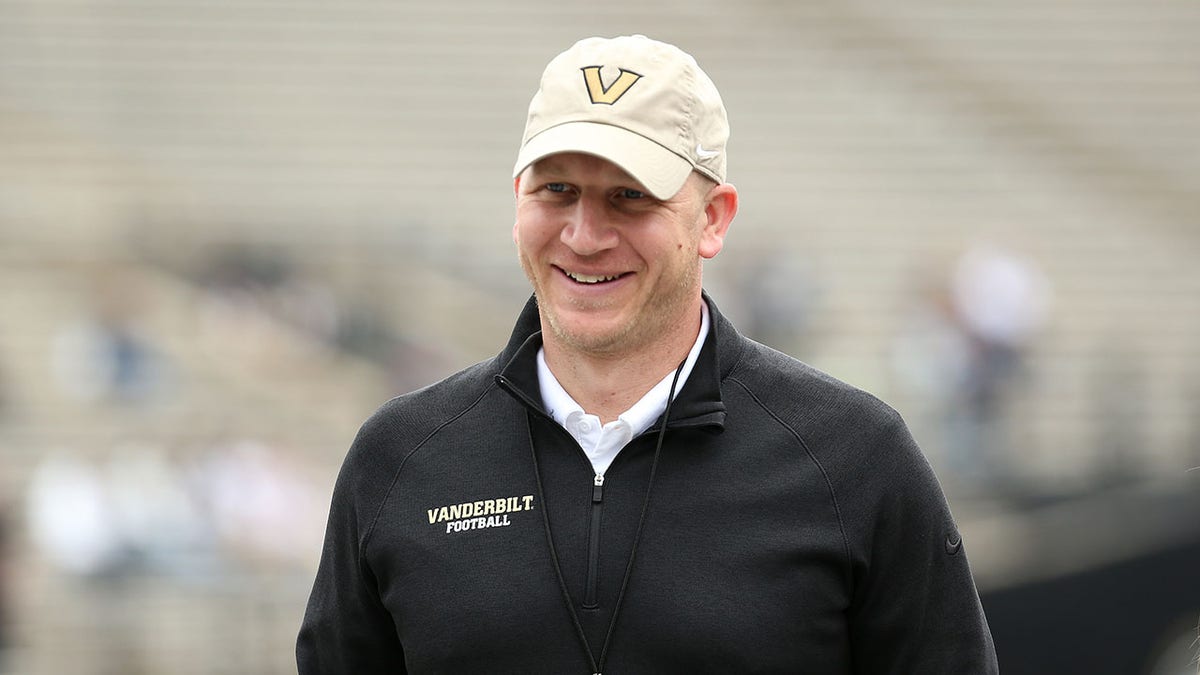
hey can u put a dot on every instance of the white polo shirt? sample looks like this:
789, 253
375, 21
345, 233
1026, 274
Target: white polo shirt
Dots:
603, 442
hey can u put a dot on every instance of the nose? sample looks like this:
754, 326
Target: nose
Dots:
587, 231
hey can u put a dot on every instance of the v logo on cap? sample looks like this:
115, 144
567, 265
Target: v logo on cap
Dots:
651, 134
610, 94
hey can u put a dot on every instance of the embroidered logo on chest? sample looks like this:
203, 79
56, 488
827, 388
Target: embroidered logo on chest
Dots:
479, 515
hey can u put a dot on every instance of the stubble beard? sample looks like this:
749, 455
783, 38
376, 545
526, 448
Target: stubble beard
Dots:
654, 321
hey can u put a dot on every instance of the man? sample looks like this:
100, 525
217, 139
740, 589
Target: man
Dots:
535, 514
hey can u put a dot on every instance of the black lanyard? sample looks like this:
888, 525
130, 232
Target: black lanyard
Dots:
598, 665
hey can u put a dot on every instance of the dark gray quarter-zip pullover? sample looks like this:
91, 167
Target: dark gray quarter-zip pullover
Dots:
792, 526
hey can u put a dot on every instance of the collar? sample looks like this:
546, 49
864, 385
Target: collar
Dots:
698, 402
560, 405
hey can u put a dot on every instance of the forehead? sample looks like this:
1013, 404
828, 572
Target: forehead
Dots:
583, 167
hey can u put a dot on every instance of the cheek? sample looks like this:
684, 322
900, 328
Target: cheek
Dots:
530, 233
521, 225
535, 224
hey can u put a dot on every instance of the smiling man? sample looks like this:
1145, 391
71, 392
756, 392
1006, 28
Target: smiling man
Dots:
616, 272
631, 486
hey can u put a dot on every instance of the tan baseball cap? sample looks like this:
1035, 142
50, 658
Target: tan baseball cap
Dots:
642, 104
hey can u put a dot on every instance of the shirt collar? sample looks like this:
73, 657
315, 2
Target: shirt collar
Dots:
698, 405
559, 404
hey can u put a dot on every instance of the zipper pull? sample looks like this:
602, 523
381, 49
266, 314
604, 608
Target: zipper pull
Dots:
598, 490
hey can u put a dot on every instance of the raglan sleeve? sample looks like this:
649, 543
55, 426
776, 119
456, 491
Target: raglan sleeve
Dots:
915, 607
346, 629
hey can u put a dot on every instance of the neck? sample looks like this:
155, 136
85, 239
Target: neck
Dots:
608, 384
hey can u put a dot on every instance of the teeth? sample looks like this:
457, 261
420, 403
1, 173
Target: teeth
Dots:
590, 279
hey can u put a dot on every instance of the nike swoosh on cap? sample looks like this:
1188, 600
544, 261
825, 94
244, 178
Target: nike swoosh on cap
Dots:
706, 154
953, 544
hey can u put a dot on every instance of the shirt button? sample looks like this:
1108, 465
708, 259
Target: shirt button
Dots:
585, 426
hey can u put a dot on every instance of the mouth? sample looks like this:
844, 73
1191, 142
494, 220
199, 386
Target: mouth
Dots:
591, 279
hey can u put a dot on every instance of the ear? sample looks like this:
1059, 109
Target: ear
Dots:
517, 193
720, 206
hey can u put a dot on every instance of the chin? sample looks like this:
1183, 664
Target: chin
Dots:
589, 336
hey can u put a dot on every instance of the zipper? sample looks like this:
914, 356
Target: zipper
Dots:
594, 538
593, 568
590, 601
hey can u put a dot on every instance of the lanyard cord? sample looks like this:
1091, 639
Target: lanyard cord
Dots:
662, 433
598, 666
562, 583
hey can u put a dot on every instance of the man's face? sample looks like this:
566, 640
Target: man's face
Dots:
613, 268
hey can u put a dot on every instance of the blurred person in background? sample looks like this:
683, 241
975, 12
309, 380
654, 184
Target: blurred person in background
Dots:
72, 522
1001, 300
775, 295
103, 355
962, 348
631, 486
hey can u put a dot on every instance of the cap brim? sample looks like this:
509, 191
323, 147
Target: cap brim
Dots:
659, 170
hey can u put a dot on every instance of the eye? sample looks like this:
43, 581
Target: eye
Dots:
630, 193
556, 187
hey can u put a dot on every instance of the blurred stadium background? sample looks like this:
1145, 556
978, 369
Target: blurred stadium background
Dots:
230, 229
